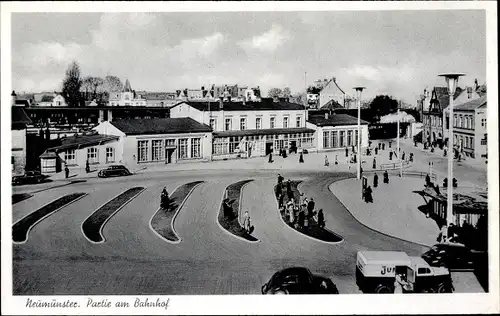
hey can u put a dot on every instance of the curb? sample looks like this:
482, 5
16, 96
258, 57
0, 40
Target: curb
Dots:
309, 237
366, 226
225, 230
179, 209
41, 219
109, 217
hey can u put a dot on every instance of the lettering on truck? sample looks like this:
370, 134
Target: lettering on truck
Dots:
388, 270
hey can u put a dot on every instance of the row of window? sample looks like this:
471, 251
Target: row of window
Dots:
433, 121
92, 155
237, 144
258, 123
154, 150
466, 142
463, 121
340, 139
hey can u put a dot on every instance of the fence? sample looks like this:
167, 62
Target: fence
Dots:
392, 166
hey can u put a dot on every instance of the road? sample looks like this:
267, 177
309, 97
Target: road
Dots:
57, 259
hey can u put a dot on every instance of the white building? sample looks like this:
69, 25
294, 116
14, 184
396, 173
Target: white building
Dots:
18, 128
126, 97
55, 100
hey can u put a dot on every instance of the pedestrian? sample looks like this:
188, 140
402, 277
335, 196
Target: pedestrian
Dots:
291, 215
281, 199
347, 152
321, 218
383, 146
352, 148
246, 222
390, 144
310, 205
379, 146
403, 156
284, 153
327, 163
390, 155
411, 157
66, 171
301, 157
374, 163
301, 219
375, 180
445, 152
427, 180
164, 198
386, 177
336, 160
87, 166
368, 195
270, 157
368, 151
280, 179
376, 150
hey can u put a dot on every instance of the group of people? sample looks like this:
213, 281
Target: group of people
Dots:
299, 215
367, 191
282, 153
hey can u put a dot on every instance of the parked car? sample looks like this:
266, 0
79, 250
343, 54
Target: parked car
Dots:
30, 177
114, 171
453, 256
298, 280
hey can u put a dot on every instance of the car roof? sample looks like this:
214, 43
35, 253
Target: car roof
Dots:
380, 257
292, 270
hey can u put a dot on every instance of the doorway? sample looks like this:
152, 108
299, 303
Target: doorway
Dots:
169, 154
269, 148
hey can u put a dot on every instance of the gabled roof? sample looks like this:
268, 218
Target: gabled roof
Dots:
471, 105
334, 82
82, 141
160, 126
442, 98
47, 98
19, 116
331, 105
127, 87
334, 120
23, 102
263, 105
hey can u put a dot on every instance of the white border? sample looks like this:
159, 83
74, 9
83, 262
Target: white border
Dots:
109, 217
44, 217
175, 215
344, 304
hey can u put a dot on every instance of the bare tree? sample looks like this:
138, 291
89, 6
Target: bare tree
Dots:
274, 92
71, 85
286, 92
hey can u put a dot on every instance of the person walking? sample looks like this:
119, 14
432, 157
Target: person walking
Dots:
411, 157
270, 157
301, 219
336, 160
66, 171
321, 219
291, 215
386, 177
383, 146
246, 222
280, 179
347, 152
403, 156
368, 195
379, 146
164, 198
390, 155
375, 180
352, 148
374, 163
281, 199
87, 166
310, 205
327, 163
376, 150
301, 157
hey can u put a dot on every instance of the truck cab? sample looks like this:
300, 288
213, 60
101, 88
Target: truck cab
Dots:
376, 272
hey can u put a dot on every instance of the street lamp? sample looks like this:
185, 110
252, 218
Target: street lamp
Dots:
359, 90
397, 150
451, 82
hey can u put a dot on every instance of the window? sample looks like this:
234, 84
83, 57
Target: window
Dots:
326, 139
243, 123
110, 154
142, 150
349, 138
258, 123
461, 121
298, 121
484, 141
342, 138
227, 124
157, 150
285, 122
70, 157
334, 139
423, 271
454, 120
195, 148
447, 123
183, 148
271, 122
213, 124
170, 143
92, 156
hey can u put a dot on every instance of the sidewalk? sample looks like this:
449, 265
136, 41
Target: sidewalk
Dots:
394, 210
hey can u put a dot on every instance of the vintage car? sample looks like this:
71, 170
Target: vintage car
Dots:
30, 177
454, 256
114, 171
298, 280
376, 272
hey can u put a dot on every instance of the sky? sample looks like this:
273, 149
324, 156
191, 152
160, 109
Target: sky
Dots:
398, 53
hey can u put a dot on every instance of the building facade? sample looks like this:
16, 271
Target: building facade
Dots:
143, 142
18, 127
127, 97
331, 92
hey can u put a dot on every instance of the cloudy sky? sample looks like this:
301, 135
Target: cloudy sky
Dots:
392, 52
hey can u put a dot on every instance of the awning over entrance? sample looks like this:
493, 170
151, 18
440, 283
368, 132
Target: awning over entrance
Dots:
269, 131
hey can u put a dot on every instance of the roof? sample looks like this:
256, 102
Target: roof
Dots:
464, 199
127, 87
332, 104
266, 104
269, 131
443, 98
79, 141
385, 256
471, 105
47, 98
334, 120
48, 154
418, 261
23, 102
160, 126
19, 116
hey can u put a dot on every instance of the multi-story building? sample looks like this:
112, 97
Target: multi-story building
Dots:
127, 97
469, 127
19, 122
432, 114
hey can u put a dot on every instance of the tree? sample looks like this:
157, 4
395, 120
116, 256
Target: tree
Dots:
86, 87
274, 92
382, 105
111, 84
71, 85
313, 90
286, 92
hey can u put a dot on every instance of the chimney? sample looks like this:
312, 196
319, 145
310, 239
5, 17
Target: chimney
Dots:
13, 97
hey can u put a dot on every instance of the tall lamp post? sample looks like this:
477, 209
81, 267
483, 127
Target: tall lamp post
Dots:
359, 90
451, 82
397, 150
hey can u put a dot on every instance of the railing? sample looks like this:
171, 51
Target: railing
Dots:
417, 174
392, 166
